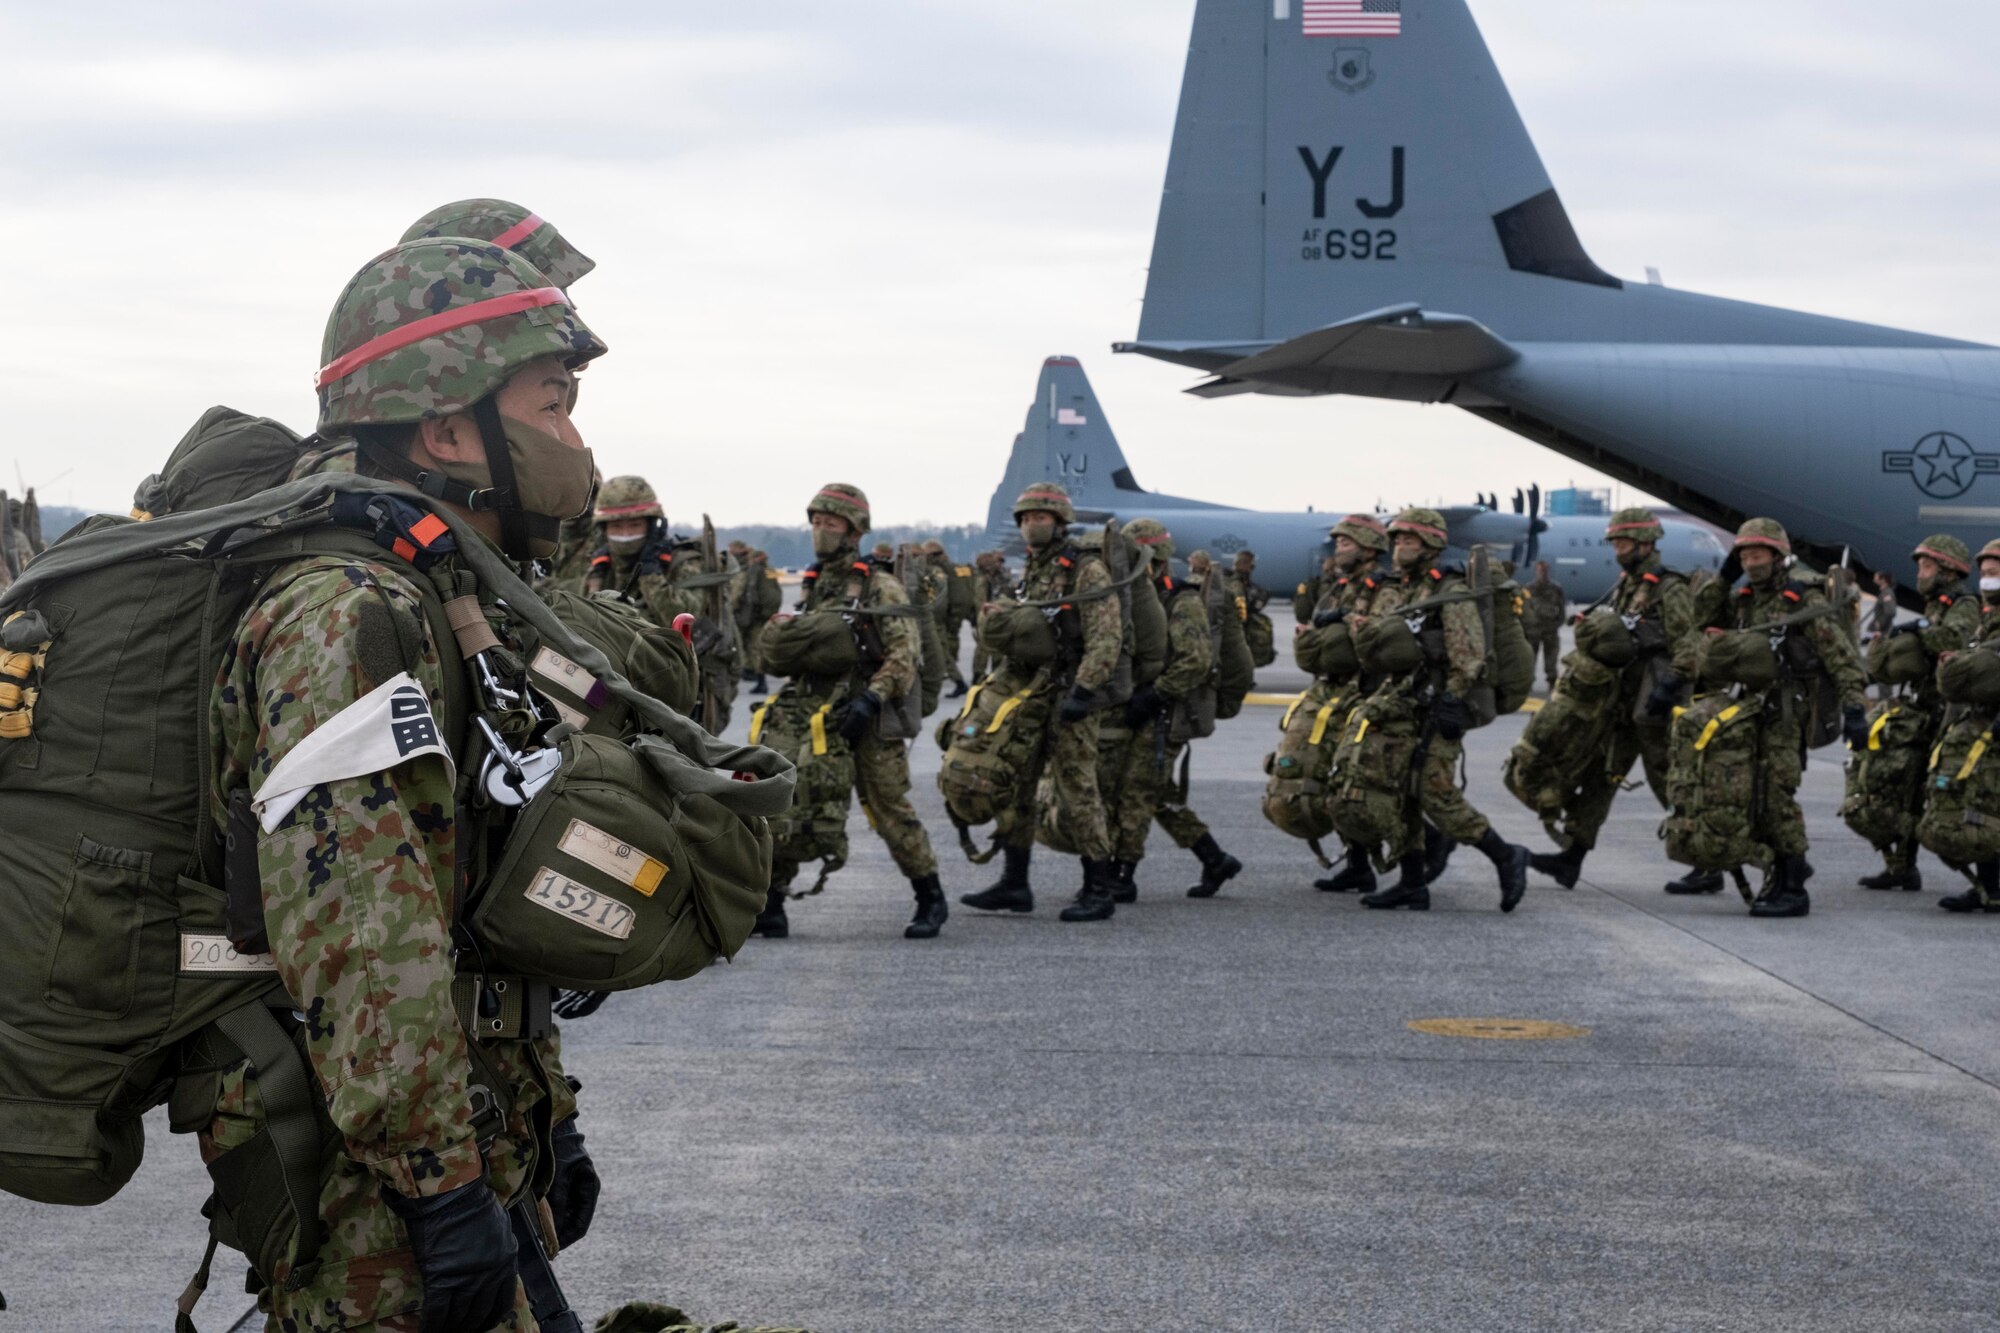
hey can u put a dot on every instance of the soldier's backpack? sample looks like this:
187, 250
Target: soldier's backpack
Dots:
1562, 747
962, 595
1235, 671
1149, 633
805, 728
226, 456
1961, 819
1885, 777
1372, 779
1296, 797
1326, 651
767, 594
1511, 656
1972, 677
1261, 637
991, 751
1193, 715
1898, 659
1602, 636
118, 944
1713, 784
815, 643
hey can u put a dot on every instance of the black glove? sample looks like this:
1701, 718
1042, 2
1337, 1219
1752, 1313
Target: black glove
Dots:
1917, 626
575, 1004
1854, 726
573, 1193
1076, 704
858, 714
1449, 716
1732, 567
464, 1248
1333, 615
1665, 696
1145, 704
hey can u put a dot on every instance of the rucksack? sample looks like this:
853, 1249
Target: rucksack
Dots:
767, 594
1562, 747
1261, 637
226, 456
1961, 819
991, 748
909, 571
1972, 676
802, 727
961, 600
1885, 777
1235, 671
1510, 658
1372, 792
1121, 557
1149, 633
118, 946
1296, 797
1716, 746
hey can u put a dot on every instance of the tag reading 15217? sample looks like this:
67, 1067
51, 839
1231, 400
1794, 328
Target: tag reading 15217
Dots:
587, 907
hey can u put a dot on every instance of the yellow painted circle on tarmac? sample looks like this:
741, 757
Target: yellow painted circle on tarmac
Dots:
1499, 1029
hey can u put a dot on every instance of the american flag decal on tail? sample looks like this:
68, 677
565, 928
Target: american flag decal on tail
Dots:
1351, 18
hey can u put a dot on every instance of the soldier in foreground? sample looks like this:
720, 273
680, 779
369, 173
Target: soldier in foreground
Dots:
871, 676
1547, 608
1962, 778
1619, 689
643, 564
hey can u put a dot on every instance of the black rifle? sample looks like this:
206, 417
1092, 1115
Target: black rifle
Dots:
538, 1275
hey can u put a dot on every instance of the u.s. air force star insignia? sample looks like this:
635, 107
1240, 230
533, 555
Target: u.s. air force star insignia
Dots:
1942, 464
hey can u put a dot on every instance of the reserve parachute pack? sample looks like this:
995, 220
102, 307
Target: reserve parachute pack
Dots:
1898, 659
1510, 660
813, 643
1972, 677
1235, 671
1563, 746
1372, 781
1297, 796
803, 727
1961, 819
992, 748
1885, 778
1032, 636
1713, 784
120, 943
1258, 635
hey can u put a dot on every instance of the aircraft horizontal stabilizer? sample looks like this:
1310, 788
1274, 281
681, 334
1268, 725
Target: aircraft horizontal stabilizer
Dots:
1400, 340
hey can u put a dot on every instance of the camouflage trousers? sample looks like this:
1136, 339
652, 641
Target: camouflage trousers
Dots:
949, 632
1584, 813
753, 647
1064, 793
1548, 647
1780, 824
1441, 800
367, 1277
882, 784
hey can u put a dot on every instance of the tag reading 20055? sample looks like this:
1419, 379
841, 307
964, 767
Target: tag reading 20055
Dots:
587, 907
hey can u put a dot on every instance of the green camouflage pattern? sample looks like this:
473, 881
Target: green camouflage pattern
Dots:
656, 579
1049, 497
1364, 530
627, 497
1637, 524
1355, 592
843, 501
1426, 523
1883, 794
1133, 784
1961, 816
1731, 785
490, 219
1763, 532
1947, 550
451, 370
1048, 579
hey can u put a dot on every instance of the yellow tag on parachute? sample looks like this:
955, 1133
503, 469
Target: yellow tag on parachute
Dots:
757, 723
1715, 724
1319, 725
1875, 732
819, 728
620, 860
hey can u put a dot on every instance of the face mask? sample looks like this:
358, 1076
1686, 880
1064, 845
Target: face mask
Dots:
1989, 584
1632, 559
1038, 533
626, 545
550, 478
1925, 582
826, 541
1766, 575
1409, 557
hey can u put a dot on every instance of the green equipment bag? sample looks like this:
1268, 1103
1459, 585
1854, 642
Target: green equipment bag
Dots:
818, 643
117, 947
1961, 819
657, 661
225, 457
1603, 637
1972, 677
1712, 785
802, 727
1326, 652
767, 594
1018, 634
1296, 794
1385, 646
1738, 657
962, 594
1235, 669
1257, 632
991, 751
1149, 633
1370, 783
1885, 778
1510, 658
1898, 659
1562, 747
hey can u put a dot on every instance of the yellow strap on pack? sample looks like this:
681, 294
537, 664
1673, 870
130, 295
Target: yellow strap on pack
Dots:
1361, 731
757, 723
1715, 725
1875, 732
1972, 760
1286, 724
1008, 705
819, 728
1319, 724
971, 698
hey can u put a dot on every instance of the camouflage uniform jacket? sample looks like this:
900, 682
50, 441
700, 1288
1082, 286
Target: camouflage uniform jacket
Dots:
1356, 592
1464, 664
1190, 652
653, 578
844, 579
1253, 596
571, 563
994, 583
1954, 617
1651, 591
1548, 604
1747, 604
1061, 570
933, 587
1306, 597
1989, 623
360, 883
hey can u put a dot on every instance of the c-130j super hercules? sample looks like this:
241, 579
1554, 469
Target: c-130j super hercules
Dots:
1353, 205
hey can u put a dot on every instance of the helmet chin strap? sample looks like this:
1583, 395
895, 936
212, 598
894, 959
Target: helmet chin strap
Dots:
518, 527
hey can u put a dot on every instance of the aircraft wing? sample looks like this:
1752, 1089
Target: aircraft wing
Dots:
1473, 523
1400, 340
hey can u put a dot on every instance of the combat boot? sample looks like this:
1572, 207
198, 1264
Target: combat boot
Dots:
1356, 876
1093, 900
1437, 852
1409, 891
1511, 860
1563, 867
957, 690
1009, 893
1128, 889
771, 922
1786, 894
760, 687
1697, 881
1217, 867
931, 909
1982, 896
1909, 879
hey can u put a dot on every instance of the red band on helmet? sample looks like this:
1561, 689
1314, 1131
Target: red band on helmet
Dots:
1421, 529
1944, 559
627, 511
1782, 548
513, 303
1151, 541
1367, 521
519, 232
1629, 527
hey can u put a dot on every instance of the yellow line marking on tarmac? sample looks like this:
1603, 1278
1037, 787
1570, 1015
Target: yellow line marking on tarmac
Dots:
1532, 705
1498, 1029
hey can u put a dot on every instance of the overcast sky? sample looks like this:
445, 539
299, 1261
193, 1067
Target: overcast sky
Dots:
837, 240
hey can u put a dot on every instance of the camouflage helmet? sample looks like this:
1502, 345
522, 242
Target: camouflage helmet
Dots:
1049, 497
1763, 532
511, 227
627, 497
884, 551
842, 501
1199, 560
1947, 550
1990, 551
1425, 523
1637, 524
432, 327
1153, 538
933, 547
1364, 530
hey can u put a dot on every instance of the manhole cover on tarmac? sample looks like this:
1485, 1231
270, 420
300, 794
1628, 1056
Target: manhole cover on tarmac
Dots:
1498, 1029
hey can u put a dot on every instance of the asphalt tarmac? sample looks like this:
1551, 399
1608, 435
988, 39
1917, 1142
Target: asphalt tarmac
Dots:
1217, 1115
